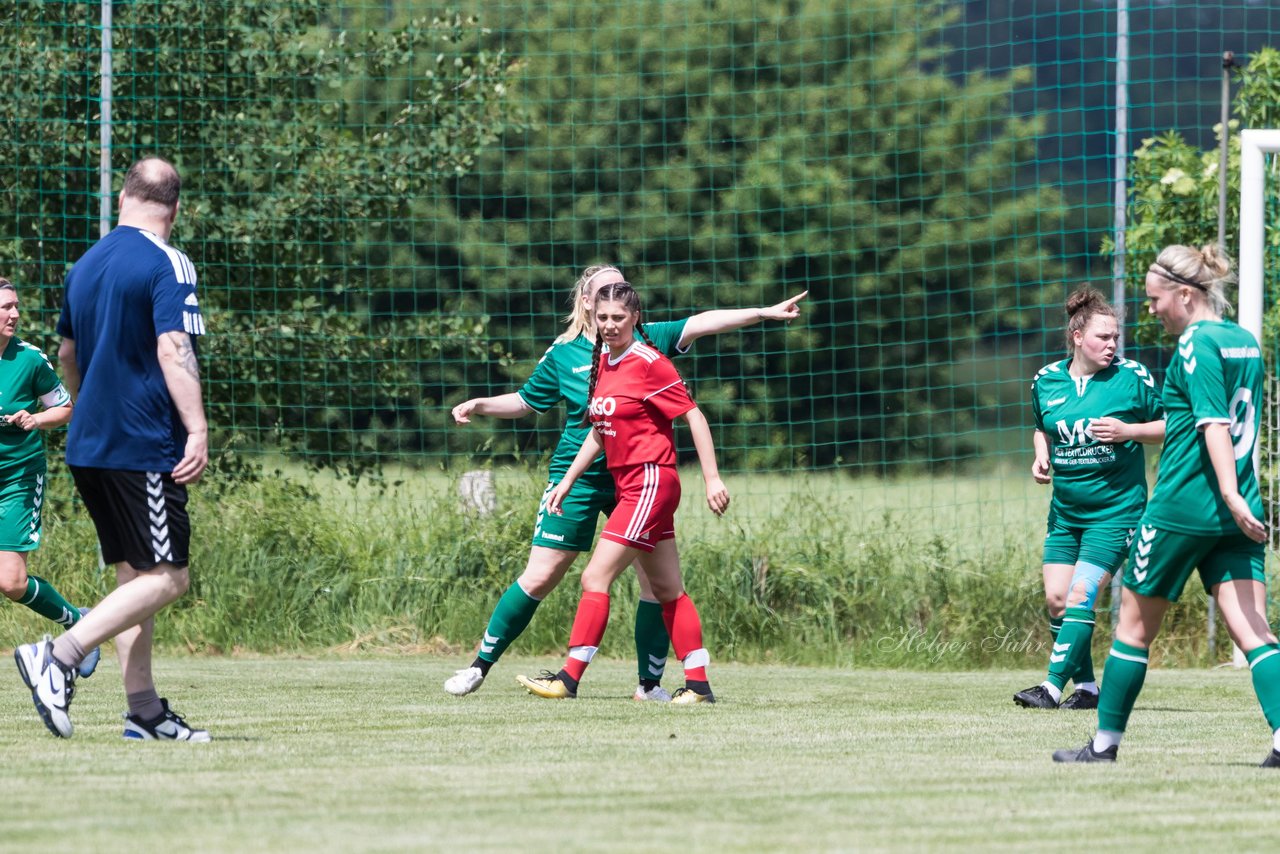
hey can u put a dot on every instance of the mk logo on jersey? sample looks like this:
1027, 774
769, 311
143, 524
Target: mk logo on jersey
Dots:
1076, 434
605, 406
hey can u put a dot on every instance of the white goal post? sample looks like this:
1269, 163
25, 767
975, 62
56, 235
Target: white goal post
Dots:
1254, 146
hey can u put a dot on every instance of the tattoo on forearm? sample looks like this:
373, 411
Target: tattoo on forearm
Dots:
186, 354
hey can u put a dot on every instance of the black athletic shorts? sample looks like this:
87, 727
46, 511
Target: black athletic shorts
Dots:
141, 517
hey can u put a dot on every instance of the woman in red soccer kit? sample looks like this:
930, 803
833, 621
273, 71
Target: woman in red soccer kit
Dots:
635, 393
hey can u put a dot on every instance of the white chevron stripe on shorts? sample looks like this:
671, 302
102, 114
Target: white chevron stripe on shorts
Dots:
161, 546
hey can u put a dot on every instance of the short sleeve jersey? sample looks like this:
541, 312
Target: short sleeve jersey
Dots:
27, 380
637, 396
130, 288
1095, 483
1215, 378
562, 375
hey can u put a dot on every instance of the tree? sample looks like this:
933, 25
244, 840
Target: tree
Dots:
301, 143
1173, 197
731, 152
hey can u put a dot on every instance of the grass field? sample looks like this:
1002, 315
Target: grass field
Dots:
341, 754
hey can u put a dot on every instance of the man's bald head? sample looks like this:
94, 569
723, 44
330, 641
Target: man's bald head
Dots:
154, 181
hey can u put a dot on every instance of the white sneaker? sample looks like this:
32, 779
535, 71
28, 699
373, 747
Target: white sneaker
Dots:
52, 686
169, 726
466, 681
656, 694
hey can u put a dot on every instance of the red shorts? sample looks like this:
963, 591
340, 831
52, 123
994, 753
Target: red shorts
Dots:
648, 495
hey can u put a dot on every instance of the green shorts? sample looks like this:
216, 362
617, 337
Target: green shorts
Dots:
21, 497
574, 530
1162, 561
1104, 547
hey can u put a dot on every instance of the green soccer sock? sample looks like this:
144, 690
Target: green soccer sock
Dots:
652, 643
1264, 667
1122, 680
510, 617
1055, 626
1071, 651
45, 600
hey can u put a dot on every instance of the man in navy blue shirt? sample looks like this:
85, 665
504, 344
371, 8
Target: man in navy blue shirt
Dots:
129, 319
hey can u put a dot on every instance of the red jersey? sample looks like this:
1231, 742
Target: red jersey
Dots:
636, 398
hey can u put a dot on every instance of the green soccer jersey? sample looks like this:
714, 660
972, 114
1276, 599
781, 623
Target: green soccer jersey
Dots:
563, 374
1215, 378
1095, 483
27, 379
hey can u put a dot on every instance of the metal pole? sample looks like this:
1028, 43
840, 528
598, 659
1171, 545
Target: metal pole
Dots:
1121, 199
104, 127
1228, 61
1224, 137
1121, 165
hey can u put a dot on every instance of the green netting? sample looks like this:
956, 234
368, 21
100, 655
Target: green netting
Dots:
388, 202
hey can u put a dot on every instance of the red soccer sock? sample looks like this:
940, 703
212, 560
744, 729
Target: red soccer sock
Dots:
685, 628
588, 630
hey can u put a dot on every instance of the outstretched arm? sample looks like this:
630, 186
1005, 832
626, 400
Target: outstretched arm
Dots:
726, 320
503, 406
717, 494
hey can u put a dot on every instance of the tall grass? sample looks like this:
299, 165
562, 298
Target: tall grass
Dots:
816, 569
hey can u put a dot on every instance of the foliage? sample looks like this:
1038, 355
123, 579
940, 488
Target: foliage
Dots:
338, 388
301, 142
353, 161
1173, 197
760, 148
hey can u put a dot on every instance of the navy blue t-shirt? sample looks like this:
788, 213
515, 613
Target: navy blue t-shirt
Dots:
125, 292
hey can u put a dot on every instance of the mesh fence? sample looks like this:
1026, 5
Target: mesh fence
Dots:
388, 204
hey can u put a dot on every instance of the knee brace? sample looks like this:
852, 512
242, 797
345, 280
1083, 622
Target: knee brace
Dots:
1088, 576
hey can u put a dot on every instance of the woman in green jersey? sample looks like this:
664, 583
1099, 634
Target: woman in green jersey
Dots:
561, 375
1204, 512
1093, 412
31, 399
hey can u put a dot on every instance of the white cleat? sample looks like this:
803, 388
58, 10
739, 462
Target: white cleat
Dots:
656, 694
466, 681
52, 686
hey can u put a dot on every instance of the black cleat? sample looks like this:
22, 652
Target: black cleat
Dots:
1080, 700
1086, 754
1035, 698
1272, 760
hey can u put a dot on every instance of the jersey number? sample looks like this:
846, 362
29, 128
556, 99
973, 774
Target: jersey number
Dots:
1243, 428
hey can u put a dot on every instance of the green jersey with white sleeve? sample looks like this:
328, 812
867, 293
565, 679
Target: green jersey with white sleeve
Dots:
1215, 378
563, 374
1095, 483
27, 381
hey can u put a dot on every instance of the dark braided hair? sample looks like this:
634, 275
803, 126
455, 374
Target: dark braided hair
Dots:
624, 293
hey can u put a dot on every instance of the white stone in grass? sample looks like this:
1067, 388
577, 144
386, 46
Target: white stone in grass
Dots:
475, 488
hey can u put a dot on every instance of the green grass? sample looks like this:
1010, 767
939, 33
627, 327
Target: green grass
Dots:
368, 754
